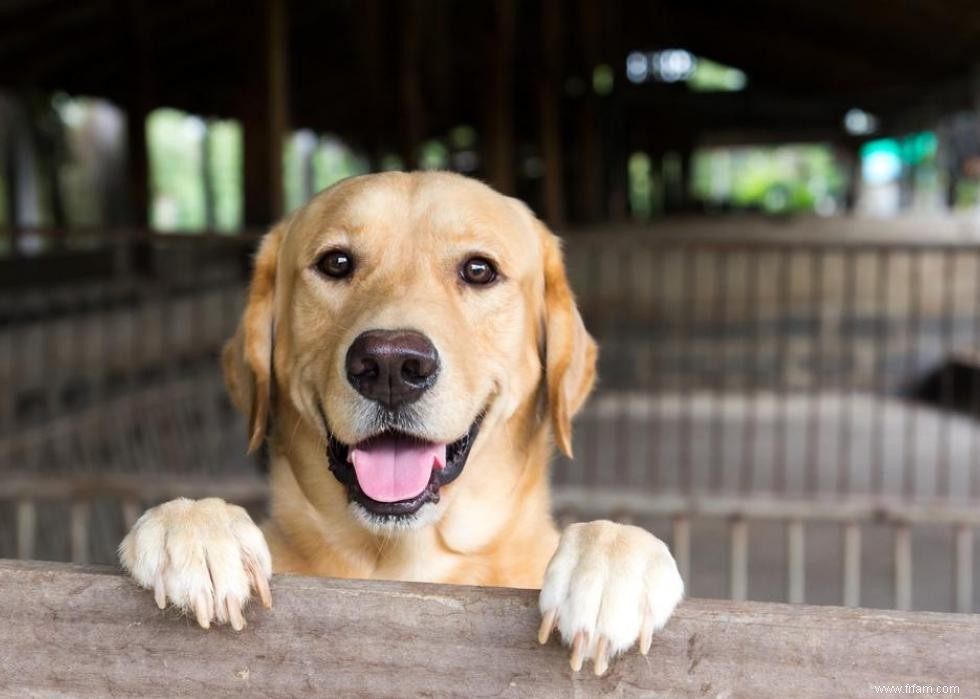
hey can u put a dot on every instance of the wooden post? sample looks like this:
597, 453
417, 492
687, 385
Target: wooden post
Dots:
549, 95
139, 103
265, 110
413, 109
371, 53
615, 137
138, 165
210, 214
499, 129
590, 126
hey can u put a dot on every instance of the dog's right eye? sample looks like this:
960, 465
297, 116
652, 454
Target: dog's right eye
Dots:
336, 264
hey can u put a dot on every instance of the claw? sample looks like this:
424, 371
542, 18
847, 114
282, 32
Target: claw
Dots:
235, 615
547, 626
260, 583
646, 634
201, 612
601, 656
578, 650
159, 593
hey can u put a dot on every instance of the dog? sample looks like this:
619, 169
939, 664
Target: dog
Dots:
410, 353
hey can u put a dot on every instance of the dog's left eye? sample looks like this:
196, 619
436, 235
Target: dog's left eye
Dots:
478, 271
336, 263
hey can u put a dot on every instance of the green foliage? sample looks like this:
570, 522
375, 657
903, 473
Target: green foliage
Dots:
640, 185
783, 179
709, 76
174, 141
392, 161
4, 220
333, 161
603, 79
225, 153
177, 145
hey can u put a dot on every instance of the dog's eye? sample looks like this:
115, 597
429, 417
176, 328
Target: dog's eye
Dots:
336, 263
478, 271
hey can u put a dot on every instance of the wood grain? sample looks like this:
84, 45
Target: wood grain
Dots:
87, 631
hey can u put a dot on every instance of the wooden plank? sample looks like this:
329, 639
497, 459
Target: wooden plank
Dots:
102, 636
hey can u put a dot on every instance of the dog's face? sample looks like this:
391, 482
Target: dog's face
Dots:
407, 316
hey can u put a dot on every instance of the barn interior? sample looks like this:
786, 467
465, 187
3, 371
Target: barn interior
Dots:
772, 220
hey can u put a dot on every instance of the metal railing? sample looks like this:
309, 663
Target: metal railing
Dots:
817, 398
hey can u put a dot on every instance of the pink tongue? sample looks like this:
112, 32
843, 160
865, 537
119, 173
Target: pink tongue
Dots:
390, 468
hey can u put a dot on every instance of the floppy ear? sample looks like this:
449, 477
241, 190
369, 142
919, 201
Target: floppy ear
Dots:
247, 357
569, 352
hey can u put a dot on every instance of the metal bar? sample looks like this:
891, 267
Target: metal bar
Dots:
131, 510
624, 295
26, 528
840, 509
963, 568
881, 358
594, 267
657, 377
780, 418
78, 531
903, 567
943, 484
739, 560
911, 368
852, 564
846, 375
682, 547
973, 476
721, 321
795, 562
817, 371
753, 317
688, 368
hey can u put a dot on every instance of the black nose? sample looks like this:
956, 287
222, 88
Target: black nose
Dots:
392, 367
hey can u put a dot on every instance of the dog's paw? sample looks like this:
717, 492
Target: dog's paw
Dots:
608, 585
202, 556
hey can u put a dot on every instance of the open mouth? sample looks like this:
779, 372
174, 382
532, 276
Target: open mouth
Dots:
394, 474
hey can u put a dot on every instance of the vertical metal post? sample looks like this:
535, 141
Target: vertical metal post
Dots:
852, 564
903, 567
739, 560
682, 547
963, 568
26, 529
817, 370
795, 562
79, 531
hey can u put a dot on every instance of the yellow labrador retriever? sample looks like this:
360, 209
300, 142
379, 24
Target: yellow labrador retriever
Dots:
410, 350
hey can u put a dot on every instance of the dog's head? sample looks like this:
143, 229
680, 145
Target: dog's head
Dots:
405, 318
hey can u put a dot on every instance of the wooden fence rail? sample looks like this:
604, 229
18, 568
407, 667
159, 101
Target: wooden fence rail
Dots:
85, 631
